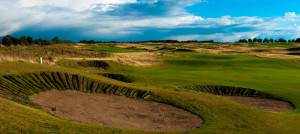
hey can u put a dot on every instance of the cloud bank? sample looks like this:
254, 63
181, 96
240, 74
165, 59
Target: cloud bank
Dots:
134, 20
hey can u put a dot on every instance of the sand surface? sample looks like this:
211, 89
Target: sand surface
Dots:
263, 103
116, 111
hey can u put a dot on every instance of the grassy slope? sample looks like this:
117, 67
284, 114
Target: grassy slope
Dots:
279, 77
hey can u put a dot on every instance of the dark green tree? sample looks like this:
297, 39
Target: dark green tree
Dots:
297, 40
7, 40
55, 40
259, 40
30, 40
16, 41
243, 41
23, 40
266, 40
281, 40
46, 42
271, 40
254, 40
250, 40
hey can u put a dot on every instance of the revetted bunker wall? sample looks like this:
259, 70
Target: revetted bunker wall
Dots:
24, 85
94, 63
118, 77
229, 91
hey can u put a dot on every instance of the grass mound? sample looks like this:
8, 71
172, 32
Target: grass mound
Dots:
20, 87
118, 77
94, 64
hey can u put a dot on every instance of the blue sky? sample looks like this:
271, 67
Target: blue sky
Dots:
137, 20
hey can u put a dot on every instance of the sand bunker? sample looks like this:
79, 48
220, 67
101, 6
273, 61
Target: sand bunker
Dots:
116, 111
263, 103
94, 64
118, 77
246, 96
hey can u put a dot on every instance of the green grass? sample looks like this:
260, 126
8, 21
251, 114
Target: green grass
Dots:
111, 49
275, 76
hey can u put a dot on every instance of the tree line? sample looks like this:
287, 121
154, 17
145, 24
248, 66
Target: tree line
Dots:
9, 40
266, 40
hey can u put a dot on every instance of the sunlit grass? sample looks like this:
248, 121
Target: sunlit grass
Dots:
275, 76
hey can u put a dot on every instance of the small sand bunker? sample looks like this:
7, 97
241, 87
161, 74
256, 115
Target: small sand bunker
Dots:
118, 77
263, 103
246, 96
116, 111
94, 65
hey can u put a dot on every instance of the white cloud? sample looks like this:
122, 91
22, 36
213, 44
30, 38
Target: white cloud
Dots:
224, 20
290, 15
20, 14
77, 5
78, 13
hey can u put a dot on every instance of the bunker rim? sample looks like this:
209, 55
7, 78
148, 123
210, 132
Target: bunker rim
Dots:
23, 85
230, 91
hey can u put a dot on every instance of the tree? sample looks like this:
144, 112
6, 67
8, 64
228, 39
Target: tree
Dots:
293, 41
55, 40
91, 42
7, 40
259, 40
272, 40
46, 42
290, 41
16, 41
266, 40
242, 41
254, 40
23, 40
250, 40
281, 40
30, 40
298, 40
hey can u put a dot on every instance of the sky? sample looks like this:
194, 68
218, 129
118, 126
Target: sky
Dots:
140, 20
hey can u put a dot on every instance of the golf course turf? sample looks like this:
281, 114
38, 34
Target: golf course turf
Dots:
272, 78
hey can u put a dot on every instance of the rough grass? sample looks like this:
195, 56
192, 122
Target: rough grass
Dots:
109, 48
275, 76
49, 53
